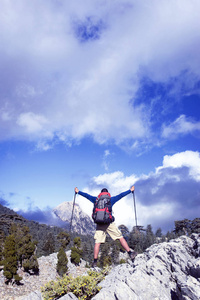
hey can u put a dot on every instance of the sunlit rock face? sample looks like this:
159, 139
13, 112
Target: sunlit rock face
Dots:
81, 222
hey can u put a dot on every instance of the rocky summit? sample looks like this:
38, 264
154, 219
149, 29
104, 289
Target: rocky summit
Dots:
164, 271
81, 222
169, 270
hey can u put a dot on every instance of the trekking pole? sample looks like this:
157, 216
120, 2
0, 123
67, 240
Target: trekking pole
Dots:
72, 212
135, 208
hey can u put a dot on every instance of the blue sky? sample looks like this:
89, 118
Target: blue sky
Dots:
101, 94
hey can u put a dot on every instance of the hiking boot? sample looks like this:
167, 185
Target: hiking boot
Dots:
94, 265
132, 255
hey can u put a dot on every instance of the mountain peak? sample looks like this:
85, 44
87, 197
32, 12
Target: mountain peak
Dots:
81, 222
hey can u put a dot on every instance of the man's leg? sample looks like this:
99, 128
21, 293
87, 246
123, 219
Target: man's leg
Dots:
124, 244
96, 250
100, 237
116, 234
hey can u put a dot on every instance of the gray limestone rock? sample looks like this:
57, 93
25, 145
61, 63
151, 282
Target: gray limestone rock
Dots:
164, 271
69, 296
36, 295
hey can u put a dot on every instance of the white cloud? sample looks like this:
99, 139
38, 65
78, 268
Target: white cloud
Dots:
25, 91
114, 181
105, 162
189, 159
88, 89
170, 193
106, 153
181, 126
32, 122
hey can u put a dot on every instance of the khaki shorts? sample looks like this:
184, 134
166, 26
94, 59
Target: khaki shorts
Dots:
111, 229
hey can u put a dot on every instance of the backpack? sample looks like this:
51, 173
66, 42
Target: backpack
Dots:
102, 211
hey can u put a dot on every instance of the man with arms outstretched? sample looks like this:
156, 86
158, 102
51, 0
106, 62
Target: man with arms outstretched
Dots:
110, 227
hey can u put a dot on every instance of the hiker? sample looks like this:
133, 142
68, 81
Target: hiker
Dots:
102, 216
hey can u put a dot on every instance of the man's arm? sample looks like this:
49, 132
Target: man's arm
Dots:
118, 197
89, 197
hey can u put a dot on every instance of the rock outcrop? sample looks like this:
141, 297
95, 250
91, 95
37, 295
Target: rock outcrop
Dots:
81, 222
165, 271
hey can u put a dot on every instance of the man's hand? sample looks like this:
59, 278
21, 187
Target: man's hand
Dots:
76, 190
132, 188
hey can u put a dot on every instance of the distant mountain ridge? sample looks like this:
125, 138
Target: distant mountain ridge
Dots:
7, 217
81, 222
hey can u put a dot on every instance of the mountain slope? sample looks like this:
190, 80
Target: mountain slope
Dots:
40, 232
81, 222
169, 270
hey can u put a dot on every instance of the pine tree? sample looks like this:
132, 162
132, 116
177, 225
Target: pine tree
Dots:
25, 248
170, 235
124, 230
182, 227
77, 242
150, 237
76, 251
105, 257
137, 239
31, 264
2, 238
88, 248
64, 239
61, 266
10, 260
115, 251
158, 233
49, 245
195, 225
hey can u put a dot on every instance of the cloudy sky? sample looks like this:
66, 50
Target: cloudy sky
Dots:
101, 94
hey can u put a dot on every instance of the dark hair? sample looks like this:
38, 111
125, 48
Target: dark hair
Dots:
104, 190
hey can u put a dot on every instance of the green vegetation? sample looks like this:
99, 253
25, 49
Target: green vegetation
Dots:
10, 260
2, 238
76, 251
122, 261
83, 287
88, 250
18, 251
64, 239
61, 266
25, 248
105, 254
187, 227
49, 244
